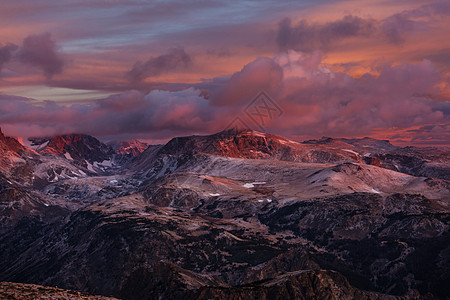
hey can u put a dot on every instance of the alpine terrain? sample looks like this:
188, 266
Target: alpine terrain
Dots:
235, 215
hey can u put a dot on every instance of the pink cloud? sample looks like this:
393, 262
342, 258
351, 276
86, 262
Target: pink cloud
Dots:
315, 101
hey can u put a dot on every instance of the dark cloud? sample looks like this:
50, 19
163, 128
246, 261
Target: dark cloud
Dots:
443, 107
395, 27
6, 53
305, 36
432, 10
398, 25
176, 59
41, 51
436, 135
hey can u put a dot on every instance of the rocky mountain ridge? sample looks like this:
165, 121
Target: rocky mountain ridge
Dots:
235, 215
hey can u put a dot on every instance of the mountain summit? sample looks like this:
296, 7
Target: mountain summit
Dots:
250, 144
130, 147
11, 151
75, 146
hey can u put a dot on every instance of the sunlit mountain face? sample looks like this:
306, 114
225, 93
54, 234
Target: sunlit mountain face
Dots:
225, 150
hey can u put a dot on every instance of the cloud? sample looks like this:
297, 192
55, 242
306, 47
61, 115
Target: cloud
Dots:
176, 59
41, 51
315, 101
438, 134
395, 27
432, 10
6, 53
261, 74
428, 135
156, 114
306, 36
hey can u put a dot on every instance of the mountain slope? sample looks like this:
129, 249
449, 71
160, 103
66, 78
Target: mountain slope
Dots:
239, 214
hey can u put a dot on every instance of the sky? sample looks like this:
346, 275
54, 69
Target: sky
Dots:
152, 70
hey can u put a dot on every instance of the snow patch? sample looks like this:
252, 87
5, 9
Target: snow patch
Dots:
285, 142
351, 151
68, 156
375, 191
28, 143
214, 195
105, 163
257, 133
266, 200
90, 167
252, 185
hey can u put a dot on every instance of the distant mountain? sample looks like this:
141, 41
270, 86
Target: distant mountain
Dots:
382, 145
427, 162
252, 144
131, 147
77, 147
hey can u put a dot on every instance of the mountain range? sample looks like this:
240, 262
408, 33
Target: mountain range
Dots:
239, 214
